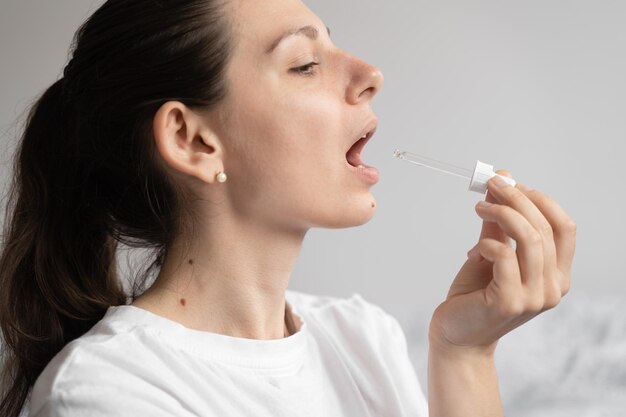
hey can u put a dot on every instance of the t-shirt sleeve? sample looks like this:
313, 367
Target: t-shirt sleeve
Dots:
400, 364
74, 385
104, 402
374, 347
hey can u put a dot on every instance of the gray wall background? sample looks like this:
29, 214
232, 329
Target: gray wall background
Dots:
537, 87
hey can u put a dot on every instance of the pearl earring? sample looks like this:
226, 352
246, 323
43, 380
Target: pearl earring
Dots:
221, 177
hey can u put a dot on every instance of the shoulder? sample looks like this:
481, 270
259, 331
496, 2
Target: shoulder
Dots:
110, 343
350, 319
369, 343
96, 374
311, 303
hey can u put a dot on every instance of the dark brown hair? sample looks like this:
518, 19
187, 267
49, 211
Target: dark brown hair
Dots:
87, 174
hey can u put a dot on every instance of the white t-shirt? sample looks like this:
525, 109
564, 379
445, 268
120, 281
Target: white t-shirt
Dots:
348, 358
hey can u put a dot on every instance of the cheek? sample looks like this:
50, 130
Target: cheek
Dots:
288, 153
287, 133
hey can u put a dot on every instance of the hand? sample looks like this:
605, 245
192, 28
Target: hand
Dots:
499, 287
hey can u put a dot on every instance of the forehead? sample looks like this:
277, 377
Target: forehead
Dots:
257, 23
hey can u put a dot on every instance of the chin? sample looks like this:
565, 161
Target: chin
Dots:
356, 215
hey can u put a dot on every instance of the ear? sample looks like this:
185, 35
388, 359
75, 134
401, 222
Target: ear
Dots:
186, 142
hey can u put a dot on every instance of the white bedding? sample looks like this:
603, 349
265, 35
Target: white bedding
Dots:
569, 361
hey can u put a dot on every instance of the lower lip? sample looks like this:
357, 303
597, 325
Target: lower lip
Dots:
367, 173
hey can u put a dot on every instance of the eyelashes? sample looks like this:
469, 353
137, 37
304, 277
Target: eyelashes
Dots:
306, 70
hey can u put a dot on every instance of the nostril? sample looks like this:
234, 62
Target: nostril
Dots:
365, 81
371, 82
370, 91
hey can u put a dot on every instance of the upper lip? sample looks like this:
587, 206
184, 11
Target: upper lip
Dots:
367, 132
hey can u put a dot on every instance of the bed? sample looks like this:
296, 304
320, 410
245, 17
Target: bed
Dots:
569, 361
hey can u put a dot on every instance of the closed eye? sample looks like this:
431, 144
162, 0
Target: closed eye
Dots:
307, 70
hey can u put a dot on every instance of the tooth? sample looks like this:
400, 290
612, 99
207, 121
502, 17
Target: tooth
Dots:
360, 166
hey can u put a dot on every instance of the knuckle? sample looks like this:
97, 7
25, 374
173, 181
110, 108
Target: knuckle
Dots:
552, 293
506, 252
569, 227
534, 237
534, 304
552, 301
552, 297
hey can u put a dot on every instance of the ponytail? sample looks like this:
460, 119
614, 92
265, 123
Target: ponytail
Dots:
87, 175
57, 268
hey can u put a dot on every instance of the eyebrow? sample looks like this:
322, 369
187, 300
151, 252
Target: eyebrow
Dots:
310, 32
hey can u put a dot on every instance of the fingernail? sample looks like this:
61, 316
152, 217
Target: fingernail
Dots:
483, 205
523, 187
498, 182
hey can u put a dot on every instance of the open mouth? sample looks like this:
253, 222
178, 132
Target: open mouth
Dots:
353, 156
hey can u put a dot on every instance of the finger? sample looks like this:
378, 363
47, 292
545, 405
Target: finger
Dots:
529, 241
491, 230
564, 228
471, 277
474, 254
506, 293
515, 198
506, 284
555, 282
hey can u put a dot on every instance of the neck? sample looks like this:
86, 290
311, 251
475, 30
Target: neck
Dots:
231, 279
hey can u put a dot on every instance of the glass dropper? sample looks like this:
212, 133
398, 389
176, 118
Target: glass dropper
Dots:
434, 164
477, 177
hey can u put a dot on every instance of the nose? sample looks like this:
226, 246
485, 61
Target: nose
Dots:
365, 81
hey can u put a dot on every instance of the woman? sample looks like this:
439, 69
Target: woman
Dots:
217, 134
